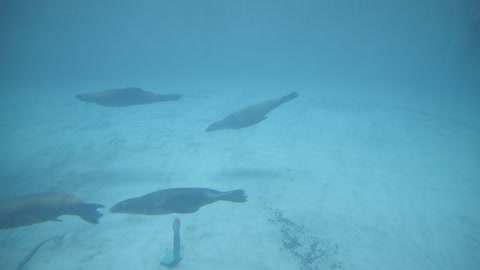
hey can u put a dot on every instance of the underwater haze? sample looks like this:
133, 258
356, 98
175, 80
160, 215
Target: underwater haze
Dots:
352, 126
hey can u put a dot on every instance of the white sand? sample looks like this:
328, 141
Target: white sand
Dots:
377, 186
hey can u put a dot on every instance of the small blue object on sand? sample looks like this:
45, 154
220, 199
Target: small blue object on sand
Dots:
173, 257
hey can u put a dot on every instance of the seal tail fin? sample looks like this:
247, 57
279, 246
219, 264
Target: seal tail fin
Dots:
89, 213
234, 196
289, 97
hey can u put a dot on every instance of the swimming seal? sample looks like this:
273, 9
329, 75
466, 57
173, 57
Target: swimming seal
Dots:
250, 115
176, 200
40, 207
125, 97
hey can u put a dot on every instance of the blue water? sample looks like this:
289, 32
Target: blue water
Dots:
375, 165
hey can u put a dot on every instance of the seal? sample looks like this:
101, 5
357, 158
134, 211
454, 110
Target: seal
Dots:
40, 207
176, 200
250, 115
125, 97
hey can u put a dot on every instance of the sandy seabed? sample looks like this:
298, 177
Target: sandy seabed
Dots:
332, 183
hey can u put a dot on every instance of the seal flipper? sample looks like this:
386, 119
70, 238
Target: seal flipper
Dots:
234, 196
88, 212
185, 209
254, 121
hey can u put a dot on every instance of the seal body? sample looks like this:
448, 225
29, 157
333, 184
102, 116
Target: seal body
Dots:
125, 97
36, 208
176, 200
250, 115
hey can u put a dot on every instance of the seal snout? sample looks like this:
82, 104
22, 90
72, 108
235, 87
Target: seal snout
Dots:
121, 207
209, 129
81, 97
213, 127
